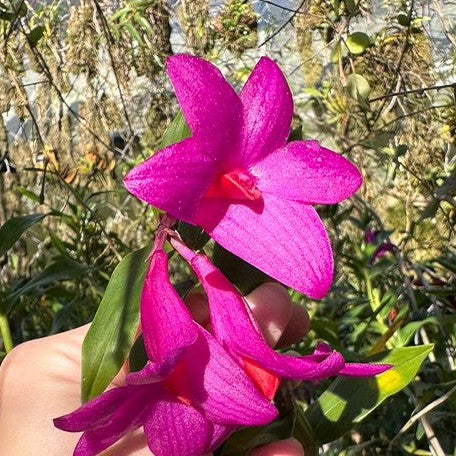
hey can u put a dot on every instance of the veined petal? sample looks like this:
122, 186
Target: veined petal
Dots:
175, 429
268, 109
175, 179
210, 105
220, 434
167, 325
304, 171
129, 415
232, 326
93, 413
285, 239
218, 384
364, 370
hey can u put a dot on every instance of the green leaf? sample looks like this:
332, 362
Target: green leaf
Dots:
28, 194
313, 92
12, 229
111, 335
144, 24
404, 19
133, 31
350, 400
35, 35
358, 87
357, 42
405, 334
177, 131
63, 269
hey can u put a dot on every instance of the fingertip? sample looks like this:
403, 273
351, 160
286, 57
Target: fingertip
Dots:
272, 307
288, 447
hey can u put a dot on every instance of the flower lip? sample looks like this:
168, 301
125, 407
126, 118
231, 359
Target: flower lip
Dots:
177, 384
236, 185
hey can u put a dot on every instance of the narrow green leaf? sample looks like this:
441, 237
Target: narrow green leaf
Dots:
357, 42
144, 24
133, 31
62, 269
405, 334
350, 400
177, 131
313, 92
28, 194
111, 335
12, 229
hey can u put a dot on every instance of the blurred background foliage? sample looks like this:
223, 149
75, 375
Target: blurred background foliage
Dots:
84, 97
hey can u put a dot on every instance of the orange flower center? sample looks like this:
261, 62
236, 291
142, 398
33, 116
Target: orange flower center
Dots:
177, 383
267, 382
237, 184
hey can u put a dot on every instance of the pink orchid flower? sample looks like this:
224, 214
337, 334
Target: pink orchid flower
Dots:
371, 237
189, 399
239, 180
234, 326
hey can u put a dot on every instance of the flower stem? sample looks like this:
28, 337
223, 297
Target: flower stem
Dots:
5, 332
374, 299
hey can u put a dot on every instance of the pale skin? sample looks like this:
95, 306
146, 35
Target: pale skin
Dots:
41, 380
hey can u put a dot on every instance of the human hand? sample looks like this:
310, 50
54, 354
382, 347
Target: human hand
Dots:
41, 380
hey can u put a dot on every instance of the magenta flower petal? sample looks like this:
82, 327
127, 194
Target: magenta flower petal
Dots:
268, 110
129, 416
220, 386
175, 429
285, 239
364, 370
232, 326
304, 171
175, 179
94, 413
167, 325
230, 178
210, 105
202, 372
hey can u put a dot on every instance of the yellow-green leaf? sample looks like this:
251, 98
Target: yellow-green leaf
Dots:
357, 42
350, 400
358, 87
